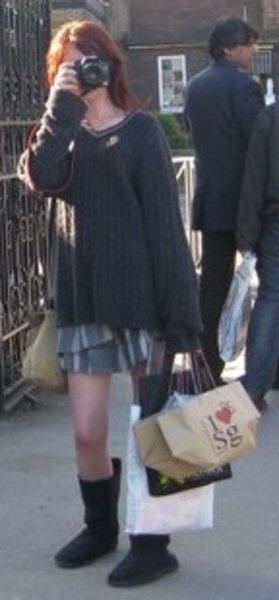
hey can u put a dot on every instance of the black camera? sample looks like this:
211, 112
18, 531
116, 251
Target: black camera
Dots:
92, 72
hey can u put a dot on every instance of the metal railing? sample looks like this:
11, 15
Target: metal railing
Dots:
24, 37
185, 174
23, 252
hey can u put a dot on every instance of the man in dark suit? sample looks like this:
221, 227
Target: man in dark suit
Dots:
221, 103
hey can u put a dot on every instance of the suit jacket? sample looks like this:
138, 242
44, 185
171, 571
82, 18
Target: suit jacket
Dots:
221, 103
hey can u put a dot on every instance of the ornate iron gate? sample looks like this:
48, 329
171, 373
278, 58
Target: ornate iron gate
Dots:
24, 36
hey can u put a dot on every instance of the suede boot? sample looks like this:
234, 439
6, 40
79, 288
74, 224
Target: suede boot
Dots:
147, 560
100, 536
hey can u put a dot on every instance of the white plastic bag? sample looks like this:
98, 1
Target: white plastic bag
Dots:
191, 509
234, 320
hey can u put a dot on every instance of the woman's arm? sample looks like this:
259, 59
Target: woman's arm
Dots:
47, 162
173, 270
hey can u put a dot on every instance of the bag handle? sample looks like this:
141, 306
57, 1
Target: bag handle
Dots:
165, 380
201, 371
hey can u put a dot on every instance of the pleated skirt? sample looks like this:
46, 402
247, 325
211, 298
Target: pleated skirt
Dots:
99, 349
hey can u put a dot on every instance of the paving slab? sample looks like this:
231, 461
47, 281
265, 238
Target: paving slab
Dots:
40, 510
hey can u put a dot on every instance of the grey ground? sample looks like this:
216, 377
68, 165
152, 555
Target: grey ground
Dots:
40, 510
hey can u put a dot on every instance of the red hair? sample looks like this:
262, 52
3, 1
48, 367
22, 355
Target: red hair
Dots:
92, 38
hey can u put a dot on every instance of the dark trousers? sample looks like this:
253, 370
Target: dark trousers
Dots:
217, 270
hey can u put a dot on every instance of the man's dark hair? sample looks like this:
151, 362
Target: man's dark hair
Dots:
229, 33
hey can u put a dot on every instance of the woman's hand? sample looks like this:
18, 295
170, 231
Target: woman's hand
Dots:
66, 79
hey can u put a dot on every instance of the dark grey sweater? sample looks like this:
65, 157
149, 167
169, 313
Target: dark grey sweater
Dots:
122, 257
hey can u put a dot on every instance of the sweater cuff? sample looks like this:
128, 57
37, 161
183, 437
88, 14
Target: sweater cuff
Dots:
65, 106
176, 344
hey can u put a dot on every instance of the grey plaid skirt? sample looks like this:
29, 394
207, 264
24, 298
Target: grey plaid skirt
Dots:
99, 349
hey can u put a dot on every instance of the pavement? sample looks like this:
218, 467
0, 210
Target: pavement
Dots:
40, 510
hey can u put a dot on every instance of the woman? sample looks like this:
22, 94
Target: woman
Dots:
123, 267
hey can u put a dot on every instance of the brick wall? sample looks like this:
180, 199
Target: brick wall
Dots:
182, 27
150, 29
143, 69
120, 23
185, 21
271, 14
116, 15
60, 16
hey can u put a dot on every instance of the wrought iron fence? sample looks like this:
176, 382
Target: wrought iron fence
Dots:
24, 36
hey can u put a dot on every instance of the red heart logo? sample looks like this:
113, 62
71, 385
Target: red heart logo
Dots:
224, 414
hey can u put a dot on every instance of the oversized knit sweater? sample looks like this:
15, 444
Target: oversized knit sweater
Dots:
121, 253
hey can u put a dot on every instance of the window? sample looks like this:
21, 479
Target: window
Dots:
172, 79
262, 69
262, 64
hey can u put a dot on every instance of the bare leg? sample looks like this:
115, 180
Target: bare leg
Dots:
90, 405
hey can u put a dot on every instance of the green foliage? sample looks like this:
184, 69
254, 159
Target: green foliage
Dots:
175, 131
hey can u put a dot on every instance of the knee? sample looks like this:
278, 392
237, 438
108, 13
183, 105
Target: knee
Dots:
88, 441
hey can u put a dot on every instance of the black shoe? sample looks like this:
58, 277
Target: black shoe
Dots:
141, 566
84, 549
100, 535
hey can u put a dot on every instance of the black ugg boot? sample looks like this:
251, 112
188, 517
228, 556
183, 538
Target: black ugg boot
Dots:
100, 535
147, 560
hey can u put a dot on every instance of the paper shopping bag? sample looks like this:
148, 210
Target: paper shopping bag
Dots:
155, 391
216, 427
146, 514
167, 474
155, 452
